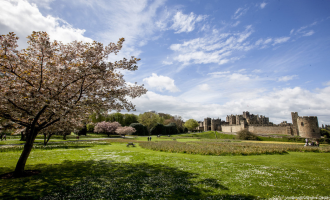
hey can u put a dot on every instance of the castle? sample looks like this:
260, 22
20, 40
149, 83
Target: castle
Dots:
307, 126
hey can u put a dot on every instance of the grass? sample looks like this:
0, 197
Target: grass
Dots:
110, 170
228, 148
206, 135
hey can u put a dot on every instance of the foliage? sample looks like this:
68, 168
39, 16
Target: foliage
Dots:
140, 129
325, 133
129, 119
90, 127
246, 135
106, 127
149, 120
50, 82
191, 124
126, 130
171, 129
159, 129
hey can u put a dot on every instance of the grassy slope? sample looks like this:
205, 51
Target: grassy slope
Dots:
115, 171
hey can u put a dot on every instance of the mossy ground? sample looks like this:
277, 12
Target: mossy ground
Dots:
104, 169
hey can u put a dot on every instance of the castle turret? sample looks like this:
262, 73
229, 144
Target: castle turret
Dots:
308, 127
216, 124
295, 129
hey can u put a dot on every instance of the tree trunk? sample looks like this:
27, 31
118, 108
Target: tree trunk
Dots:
19, 170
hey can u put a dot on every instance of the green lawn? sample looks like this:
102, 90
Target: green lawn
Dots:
95, 170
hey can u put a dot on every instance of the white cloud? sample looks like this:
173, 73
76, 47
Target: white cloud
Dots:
219, 73
280, 40
239, 77
263, 5
239, 12
42, 3
309, 33
161, 83
12, 20
167, 62
292, 30
236, 23
287, 78
203, 87
185, 23
214, 48
133, 20
256, 71
276, 104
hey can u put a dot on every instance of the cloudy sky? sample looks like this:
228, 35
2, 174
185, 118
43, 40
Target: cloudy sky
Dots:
202, 58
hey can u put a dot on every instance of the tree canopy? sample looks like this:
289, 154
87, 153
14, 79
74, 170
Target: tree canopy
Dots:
150, 120
50, 82
191, 124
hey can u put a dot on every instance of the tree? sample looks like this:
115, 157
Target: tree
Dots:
150, 120
191, 124
50, 82
129, 119
106, 127
126, 130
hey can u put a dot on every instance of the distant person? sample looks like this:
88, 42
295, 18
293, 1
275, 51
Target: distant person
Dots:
150, 138
4, 136
317, 143
306, 140
1, 136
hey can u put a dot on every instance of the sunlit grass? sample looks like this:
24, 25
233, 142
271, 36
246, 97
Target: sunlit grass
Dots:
110, 170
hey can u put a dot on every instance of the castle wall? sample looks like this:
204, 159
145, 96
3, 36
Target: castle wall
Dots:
308, 127
270, 129
231, 128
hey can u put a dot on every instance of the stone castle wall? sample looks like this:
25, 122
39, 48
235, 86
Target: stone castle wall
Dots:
267, 130
308, 127
231, 128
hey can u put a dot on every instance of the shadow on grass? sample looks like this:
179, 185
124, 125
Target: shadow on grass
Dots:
109, 180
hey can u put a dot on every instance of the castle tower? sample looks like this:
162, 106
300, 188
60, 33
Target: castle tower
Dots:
207, 124
308, 127
294, 116
215, 123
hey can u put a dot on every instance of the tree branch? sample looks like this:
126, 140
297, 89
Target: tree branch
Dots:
29, 113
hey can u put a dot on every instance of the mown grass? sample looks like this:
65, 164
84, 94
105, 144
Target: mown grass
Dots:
110, 170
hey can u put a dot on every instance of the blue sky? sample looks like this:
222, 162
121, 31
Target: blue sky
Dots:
202, 58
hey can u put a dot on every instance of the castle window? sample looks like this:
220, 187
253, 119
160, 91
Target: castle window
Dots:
317, 124
313, 131
302, 123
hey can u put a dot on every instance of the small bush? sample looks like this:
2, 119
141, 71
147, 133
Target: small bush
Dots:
246, 135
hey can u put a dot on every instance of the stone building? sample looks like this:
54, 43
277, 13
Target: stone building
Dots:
307, 127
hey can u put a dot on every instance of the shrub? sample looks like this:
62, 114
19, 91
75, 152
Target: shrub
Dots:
171, 129
140, 129
325, 133
246, 135
90, 127
159, 129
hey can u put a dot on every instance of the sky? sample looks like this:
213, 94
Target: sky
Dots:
201, 58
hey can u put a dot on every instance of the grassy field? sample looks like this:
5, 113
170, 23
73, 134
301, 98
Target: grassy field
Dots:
110, 170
